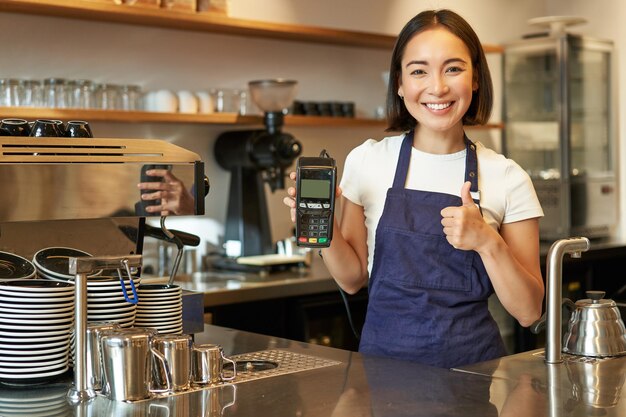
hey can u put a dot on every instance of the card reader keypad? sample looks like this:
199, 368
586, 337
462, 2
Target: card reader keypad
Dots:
314, 224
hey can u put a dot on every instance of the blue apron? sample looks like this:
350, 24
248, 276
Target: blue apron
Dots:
427, 300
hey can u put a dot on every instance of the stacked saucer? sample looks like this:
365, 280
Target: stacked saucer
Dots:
14, 267
160, 307
35, 321
53, 263
108, 301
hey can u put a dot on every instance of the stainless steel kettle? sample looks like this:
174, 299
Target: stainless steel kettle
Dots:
595, 327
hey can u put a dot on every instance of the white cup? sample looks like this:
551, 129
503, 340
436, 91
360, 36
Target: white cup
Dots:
161, 101
187, 102
205, 102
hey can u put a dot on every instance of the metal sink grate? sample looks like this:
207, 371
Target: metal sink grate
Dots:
288, 363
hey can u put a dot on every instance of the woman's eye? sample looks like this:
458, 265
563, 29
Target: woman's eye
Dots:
454, 69
418, 72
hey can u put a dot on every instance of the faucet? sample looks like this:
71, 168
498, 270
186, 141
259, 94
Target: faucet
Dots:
81, 267
554, 297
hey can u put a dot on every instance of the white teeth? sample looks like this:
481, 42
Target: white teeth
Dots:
438, 106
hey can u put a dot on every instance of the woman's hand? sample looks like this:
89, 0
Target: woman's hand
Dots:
175, 198
290, 200
464, 226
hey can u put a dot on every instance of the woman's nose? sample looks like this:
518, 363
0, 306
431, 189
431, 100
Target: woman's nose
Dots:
439, 86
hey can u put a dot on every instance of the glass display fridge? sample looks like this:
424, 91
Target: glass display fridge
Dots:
559, 127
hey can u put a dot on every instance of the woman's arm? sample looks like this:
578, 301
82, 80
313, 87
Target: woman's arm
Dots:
511, 257
346, 258
512, 262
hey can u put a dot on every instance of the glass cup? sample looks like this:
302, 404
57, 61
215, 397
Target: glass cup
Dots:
82, 94
55, 93
130, 97
10, 92
107, 97
70, 86
219, 100
31, 94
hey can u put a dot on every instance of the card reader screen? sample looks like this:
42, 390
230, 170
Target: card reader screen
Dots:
314, 188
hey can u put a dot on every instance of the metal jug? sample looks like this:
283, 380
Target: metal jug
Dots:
595, 327
127, 357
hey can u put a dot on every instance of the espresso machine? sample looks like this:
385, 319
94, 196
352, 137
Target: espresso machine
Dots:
255, 158
82, 193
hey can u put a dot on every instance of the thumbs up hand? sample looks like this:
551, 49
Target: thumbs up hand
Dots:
463, 225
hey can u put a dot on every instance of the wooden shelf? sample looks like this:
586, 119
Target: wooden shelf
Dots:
201, 21
118, 116
30, 113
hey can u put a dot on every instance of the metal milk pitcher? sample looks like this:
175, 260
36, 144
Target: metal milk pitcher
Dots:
127, 358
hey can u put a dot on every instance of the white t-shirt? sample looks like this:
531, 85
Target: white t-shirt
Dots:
506, 191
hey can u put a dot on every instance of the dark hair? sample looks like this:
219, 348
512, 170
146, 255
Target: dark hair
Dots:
398, 117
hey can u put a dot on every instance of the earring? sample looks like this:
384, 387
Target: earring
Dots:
401, 97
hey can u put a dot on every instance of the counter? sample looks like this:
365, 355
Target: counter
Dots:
225, 287
519, 385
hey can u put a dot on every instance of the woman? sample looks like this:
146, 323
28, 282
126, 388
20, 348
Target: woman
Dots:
436, 221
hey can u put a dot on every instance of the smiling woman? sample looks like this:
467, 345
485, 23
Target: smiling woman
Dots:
436, 222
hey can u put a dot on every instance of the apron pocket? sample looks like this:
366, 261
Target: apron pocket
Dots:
424, 261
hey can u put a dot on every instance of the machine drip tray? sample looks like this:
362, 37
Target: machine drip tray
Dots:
270, 363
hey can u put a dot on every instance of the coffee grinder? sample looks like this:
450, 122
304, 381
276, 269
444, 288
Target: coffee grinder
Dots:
256, 157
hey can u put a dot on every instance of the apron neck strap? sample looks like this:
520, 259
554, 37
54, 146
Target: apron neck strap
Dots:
471, 165
471, 169
399, 180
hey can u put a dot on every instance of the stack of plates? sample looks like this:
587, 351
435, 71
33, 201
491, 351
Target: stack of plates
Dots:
106, 301
53, 263
36, 317
44, 401
160, 307
14, 267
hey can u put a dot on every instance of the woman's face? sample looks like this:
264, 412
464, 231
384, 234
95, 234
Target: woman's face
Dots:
437, 79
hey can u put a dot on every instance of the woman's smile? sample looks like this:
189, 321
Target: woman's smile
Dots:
439, 107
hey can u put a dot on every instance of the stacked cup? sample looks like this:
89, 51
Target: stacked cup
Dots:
160, 307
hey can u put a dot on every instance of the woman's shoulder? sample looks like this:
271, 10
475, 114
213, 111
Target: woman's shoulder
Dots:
389, 144
492, 160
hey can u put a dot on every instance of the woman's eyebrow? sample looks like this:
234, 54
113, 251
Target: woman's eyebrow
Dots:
446, 62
